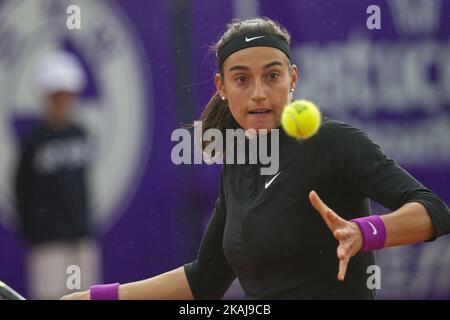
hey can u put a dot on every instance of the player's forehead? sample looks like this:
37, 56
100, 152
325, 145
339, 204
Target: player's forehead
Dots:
255, 59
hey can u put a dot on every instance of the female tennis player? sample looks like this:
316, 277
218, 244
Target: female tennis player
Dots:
275, 234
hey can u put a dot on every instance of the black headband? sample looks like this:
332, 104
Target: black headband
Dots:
248, 40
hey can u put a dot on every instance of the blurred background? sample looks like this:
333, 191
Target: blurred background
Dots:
147, 67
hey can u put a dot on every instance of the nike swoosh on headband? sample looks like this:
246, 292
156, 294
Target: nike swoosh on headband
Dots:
253, 38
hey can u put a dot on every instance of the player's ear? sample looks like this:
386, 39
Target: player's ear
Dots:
294, 76
219, 84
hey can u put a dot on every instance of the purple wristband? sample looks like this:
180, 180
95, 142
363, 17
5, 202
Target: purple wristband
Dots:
373, 232
105, 292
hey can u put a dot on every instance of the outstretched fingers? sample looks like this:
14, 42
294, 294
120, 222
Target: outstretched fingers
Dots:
332, 220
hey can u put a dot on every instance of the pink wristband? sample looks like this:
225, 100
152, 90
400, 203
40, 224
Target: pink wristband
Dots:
105, 292
373, 232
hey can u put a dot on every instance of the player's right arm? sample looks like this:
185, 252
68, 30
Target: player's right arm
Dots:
207, 277
172, 285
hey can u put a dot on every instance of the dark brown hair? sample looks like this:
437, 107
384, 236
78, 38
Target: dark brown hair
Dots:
216, 114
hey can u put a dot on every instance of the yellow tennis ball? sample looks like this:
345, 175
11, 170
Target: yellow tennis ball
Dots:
301, 119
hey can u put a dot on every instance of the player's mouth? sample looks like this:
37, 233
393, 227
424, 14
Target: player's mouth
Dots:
260, 112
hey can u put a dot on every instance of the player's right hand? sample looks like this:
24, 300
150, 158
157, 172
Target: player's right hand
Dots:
82, 295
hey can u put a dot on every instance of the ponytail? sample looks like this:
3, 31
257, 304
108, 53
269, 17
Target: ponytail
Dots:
216, 115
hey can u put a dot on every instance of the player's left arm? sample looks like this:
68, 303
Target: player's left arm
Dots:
417, 214
409, 224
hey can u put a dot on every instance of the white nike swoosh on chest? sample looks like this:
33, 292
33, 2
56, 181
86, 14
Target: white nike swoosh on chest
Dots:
271, 180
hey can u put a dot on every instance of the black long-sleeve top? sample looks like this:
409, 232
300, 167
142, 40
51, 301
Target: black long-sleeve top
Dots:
275, 242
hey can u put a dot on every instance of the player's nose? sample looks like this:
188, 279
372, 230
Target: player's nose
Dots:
258, 93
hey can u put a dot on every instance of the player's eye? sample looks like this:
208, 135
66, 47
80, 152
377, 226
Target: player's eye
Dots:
241, 79
273, 75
